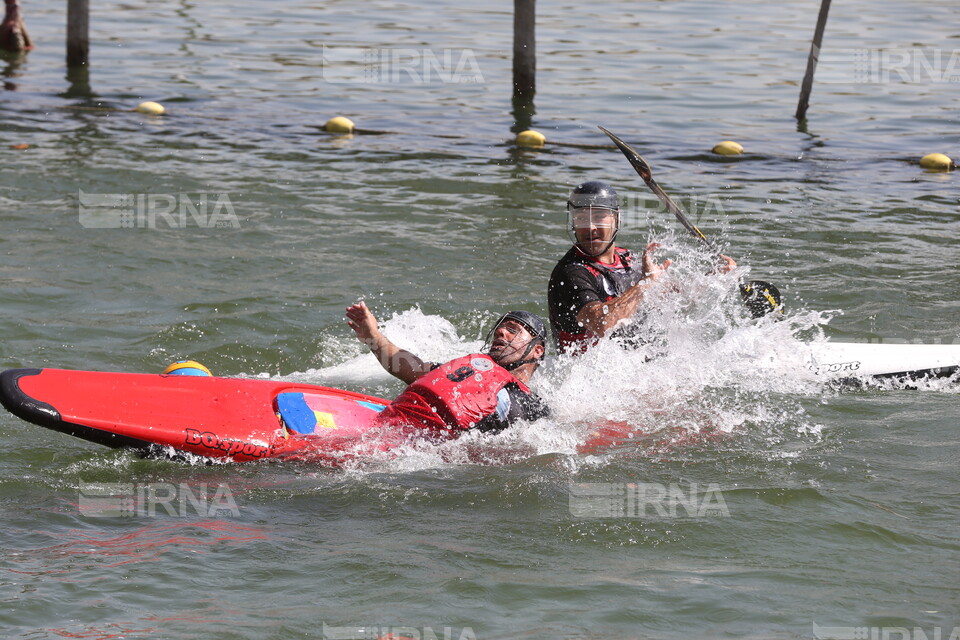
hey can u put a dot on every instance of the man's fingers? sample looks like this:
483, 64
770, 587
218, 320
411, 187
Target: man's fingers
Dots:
358, 311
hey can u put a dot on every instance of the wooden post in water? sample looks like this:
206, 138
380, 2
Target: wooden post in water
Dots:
78, 32
524, 49
807, 85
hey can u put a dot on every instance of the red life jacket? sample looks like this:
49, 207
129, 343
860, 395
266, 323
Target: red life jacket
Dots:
454, 396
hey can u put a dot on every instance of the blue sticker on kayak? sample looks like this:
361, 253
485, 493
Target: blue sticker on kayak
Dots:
295, 412
309, 413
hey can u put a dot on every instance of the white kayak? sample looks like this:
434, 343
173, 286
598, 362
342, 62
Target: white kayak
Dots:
838, 360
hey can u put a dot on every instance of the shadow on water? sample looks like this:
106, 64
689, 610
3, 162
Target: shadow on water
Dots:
13, 60
523, 111
78, 81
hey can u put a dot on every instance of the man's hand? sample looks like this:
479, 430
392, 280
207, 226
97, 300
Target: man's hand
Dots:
728, 264
397, 362
363, 323
652, 270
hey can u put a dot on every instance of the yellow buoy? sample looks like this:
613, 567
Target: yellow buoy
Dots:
531, 138
728, 148
150, 108
936, 162
339, 125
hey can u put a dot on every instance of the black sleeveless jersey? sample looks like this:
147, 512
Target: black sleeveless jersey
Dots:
578, 280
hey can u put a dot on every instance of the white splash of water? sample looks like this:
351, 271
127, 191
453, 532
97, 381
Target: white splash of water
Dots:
706, 367
431, 338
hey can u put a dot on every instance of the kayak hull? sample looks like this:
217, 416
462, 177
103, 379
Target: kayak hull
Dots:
844, 360
221, 418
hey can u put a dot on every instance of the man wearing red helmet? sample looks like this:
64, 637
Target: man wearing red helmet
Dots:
597, 284
483, 391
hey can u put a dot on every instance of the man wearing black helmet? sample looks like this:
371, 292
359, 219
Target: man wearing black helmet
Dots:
597, 284
484, 391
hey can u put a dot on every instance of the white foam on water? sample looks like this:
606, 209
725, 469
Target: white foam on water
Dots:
707, 367
706, 364
432, 338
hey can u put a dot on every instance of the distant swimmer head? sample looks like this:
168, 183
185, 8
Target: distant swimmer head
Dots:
186, 368
517, 338
593, 217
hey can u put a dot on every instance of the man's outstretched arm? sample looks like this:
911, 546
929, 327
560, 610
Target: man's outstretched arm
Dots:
398, 362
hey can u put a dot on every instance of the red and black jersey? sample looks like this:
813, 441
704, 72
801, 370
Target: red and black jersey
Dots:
465, 393
578, 280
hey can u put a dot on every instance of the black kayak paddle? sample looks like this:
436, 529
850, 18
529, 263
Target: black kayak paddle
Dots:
761, 298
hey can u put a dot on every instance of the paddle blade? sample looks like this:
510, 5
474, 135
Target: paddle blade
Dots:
761, 298
642, 168
636, 160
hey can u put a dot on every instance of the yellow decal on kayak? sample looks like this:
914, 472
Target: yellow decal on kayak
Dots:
325, 420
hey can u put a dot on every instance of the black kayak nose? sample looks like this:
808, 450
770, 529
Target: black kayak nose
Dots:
22, 405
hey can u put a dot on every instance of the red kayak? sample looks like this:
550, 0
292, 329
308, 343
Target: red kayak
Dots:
223, 418
228, 419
